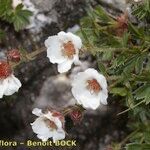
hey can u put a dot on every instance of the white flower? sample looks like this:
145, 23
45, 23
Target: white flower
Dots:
63, 49
9, 85
48, 125
15, 3
90, 88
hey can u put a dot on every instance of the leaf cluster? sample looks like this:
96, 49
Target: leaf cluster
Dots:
18, 16
142, 10
123, 58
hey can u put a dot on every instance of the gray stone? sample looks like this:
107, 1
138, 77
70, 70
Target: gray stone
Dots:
55, 93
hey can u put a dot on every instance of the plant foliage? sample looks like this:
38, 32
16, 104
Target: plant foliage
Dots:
18, 16
122, 51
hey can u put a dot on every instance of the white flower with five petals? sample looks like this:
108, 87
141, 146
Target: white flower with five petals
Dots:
48, 125
90, 89
63, 49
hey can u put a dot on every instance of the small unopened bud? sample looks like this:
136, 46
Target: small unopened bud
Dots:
122, 24
76, 115
13, 55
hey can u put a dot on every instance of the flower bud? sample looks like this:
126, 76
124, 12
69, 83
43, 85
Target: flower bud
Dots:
76, 115
13, 55
122, 24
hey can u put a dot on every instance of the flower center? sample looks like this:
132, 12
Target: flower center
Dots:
68, 49
50, 124
5, 70
93, 86
58, 115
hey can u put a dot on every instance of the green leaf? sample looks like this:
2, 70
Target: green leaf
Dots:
84, 33
6, 10
143, 77
125, 39
102, 15
21, 17
130, 99
135, 31
129, 64
5, 7
119, 91
134, 146
120, 60
107, 55
2, 34
102, 68
142, 11
143, 93
139, 64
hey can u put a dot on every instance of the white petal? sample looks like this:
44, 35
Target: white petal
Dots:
37, 112
63, 37
65, 66
48, 42
76, 60
54, 51
48, 115
79, 78
3, 87
85, 98
57, 122
76, 40
13, 85
44, 138
40, 127
103, 97
58, 135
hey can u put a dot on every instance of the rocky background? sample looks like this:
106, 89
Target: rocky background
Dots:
43, 86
